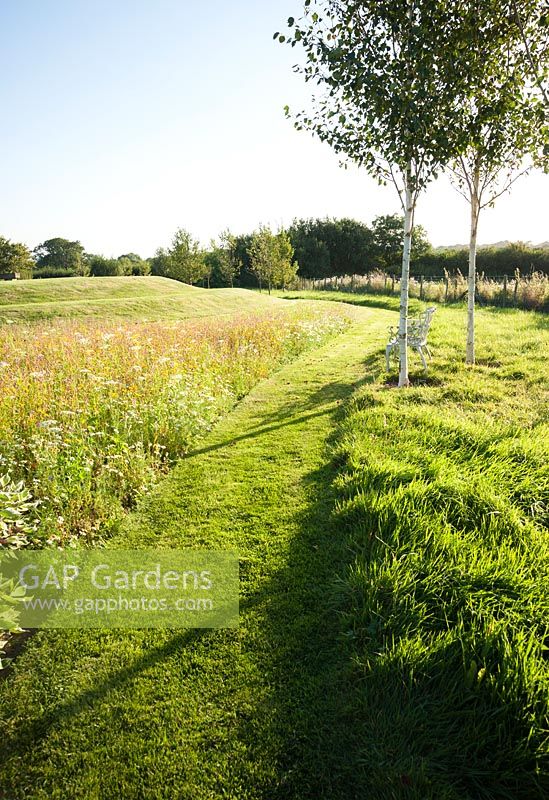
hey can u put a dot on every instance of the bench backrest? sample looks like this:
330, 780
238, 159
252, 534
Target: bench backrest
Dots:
419, 328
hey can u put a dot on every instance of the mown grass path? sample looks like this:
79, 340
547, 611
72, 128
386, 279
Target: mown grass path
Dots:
258, 712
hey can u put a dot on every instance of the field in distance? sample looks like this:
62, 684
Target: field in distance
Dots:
122, 297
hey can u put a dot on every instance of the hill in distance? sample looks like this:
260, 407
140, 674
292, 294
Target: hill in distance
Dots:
143, 298
494, 246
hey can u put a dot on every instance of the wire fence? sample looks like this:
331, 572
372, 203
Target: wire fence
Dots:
530, 292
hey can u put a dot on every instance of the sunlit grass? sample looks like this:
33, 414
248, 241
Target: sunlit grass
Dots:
91, 413
138, 298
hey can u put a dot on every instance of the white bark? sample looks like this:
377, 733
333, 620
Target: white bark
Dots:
471, 286
404, 283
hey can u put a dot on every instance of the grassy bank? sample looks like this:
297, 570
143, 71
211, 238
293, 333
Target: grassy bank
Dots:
443, 498
136, 298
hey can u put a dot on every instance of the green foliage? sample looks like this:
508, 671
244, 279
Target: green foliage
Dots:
326, 247
229, 264
10, 597
99, 266
61, 254
160, 263
271, 258
387, 234
15, 257
222, 261
390, 78
18, 518
132, 264
391, 73
185, 260
492, 261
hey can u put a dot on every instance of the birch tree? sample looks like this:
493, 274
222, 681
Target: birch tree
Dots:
505, 121
390, 73
532, 19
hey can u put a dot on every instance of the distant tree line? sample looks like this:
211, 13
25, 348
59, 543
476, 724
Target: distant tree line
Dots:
495, 262
310, 248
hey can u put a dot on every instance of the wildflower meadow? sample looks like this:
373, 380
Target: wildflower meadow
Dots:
91, 413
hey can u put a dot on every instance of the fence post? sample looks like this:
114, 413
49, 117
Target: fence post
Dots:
446, 288
515, 291
392, 284
385, 284
505, 290
421, 287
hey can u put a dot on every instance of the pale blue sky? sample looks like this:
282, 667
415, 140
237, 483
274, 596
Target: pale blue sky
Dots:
125, 119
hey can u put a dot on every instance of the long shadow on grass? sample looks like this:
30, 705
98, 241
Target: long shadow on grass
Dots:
385, 725
292, 414
305, 657
29, 735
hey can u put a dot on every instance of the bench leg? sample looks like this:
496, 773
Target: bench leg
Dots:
420, 351
387, 356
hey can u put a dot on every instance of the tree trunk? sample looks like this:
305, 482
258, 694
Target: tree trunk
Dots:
471, 285
404, 283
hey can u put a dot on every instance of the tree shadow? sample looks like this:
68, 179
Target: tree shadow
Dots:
336, 718
28, 736
354, 717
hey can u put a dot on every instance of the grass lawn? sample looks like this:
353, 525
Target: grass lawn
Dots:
394, 595
135, 297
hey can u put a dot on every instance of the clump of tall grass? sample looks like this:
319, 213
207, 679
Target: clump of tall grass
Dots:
530, 292
444, 496
91, 413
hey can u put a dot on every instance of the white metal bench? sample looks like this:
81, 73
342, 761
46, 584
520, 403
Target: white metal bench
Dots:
418, 330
